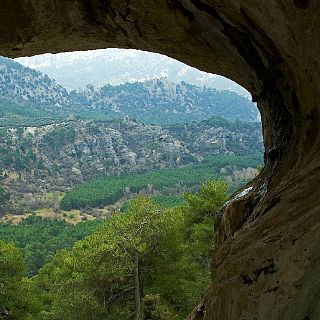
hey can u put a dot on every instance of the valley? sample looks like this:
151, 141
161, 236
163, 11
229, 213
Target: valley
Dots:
52, 140
50, 159
93, 181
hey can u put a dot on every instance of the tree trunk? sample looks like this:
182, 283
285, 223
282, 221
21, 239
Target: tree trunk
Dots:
136, 284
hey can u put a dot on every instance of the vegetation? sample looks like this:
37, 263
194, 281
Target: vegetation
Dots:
167, 201
19, 114
39, 239
238, 137
61, 136
152, 260
170, 102
54, 158
11, 110
107, 190
148, 263
16, 301
4, 195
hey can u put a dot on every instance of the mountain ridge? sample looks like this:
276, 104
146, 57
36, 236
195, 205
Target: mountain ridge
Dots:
156, 101
118, 66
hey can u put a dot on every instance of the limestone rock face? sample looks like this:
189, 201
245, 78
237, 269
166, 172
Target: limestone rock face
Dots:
267, 259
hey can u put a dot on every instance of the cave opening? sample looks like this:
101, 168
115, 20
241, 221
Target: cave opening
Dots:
192, 107
75, 136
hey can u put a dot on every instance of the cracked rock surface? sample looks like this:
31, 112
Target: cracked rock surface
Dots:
266, 263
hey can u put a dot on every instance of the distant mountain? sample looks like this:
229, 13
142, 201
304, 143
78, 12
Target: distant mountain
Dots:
27, 86
25, 93
76, 70
162, 102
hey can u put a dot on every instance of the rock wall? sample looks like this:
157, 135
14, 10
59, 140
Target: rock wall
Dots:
267, 258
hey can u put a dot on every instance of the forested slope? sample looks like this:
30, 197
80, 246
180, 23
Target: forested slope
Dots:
55, 156
156, 101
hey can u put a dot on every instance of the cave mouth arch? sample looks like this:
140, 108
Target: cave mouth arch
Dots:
271, 236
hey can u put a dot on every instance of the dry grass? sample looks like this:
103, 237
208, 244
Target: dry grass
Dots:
72, 217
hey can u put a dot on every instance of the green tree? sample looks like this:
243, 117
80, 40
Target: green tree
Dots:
39, 238
208, 200
148, 263
4, 195
16, 299
200, 211
131, 258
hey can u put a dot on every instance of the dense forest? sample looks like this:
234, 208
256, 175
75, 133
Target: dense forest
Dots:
39, 238
107, 190
149, 262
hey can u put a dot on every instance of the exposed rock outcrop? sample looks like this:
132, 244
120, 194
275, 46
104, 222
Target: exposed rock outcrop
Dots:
67, 153
50, 158
269, 267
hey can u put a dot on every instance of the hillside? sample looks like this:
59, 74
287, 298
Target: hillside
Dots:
156, 101
24, 85
162, 102
105, 191
52, 140
216, 136
54, 157
50, 158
